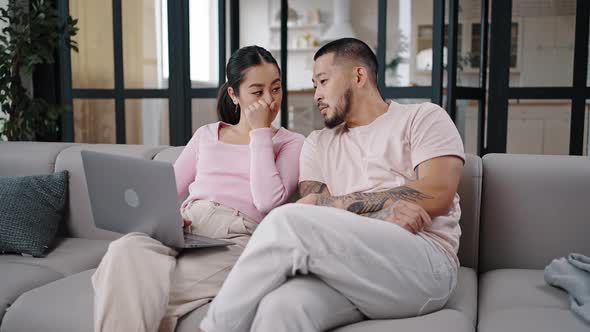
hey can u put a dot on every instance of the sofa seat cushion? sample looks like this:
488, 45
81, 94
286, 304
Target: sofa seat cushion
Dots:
65, 305
67, 256
521, 300
17, 278
464, 298
19, 274
442, 320
462, 306
459, 314
71, 304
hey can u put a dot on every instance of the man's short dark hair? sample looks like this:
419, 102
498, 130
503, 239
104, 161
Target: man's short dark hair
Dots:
352, 49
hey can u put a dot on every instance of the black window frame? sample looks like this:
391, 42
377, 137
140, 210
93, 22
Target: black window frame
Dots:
493, 97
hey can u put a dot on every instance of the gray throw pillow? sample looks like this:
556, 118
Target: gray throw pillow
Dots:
31, 209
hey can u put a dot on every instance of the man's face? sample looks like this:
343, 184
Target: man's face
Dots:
333, 92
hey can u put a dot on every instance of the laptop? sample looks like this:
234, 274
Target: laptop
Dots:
138, 195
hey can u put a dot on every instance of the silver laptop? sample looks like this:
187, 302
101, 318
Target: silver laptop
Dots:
137, 195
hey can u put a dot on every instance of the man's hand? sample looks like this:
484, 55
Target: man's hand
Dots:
412, 217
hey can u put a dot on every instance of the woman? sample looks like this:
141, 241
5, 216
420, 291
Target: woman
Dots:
235, 171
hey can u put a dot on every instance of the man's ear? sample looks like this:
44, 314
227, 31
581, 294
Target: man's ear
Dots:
361, 76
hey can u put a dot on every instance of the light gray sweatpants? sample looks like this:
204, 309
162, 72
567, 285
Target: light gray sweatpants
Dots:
310, 268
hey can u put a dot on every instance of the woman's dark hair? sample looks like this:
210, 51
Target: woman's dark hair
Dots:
237, 64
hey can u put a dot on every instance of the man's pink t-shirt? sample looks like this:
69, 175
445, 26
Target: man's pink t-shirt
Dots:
384, 155
252, 178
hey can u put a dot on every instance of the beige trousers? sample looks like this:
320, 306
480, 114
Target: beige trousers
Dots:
143, 285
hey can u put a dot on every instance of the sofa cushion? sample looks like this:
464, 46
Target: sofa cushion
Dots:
29, 158
463, 301
459, 314
534, 209
79, 220
169, 154
65, 305
464, 298
19, 274
470, 200
442, 320
17, 278
520, 300
66, 256
72, 297
532, 320
32, 209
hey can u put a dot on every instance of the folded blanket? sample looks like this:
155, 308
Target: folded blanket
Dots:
572, 274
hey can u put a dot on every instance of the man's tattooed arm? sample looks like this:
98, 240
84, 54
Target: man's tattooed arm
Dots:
363, 203
313, 187
434, 190
381, 214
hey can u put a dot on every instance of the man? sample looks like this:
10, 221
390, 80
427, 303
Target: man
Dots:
376, 232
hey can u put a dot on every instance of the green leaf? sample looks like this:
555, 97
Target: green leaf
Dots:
31, 38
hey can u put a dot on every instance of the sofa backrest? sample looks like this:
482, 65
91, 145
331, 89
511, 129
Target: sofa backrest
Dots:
470, 200
534, 209
26, 158
169, 154
469, 193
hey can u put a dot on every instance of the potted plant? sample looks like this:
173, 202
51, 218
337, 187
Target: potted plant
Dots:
31, 37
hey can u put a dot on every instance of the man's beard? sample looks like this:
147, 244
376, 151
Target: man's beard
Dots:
341, 110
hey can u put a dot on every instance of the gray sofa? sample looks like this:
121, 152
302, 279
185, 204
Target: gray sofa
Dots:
519, 212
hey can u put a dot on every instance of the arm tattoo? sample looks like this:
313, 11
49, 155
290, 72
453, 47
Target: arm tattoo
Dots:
362, 203
381, 214
361, 207
313, 187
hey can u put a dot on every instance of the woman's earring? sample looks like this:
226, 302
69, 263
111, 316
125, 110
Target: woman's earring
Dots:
236, 110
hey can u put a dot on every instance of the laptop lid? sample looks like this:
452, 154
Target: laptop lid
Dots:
134, 195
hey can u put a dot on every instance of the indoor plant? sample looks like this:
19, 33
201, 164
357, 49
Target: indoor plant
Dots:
33, 33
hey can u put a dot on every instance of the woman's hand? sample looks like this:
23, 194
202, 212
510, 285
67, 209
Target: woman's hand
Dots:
187, 225
260, 114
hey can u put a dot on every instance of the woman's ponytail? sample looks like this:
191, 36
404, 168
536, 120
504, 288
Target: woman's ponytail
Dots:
227, 111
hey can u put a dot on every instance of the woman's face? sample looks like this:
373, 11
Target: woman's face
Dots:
261, 82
